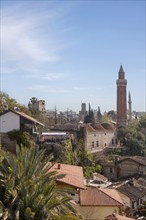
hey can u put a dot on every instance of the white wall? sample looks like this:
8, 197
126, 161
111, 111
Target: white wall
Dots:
9, 122
104, 140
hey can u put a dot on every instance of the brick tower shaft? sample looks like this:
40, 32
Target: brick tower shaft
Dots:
121, 98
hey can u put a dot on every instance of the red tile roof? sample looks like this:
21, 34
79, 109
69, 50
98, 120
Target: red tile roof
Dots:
98, 127
96, 197
73, 175
89, 128
104, 127
113, 193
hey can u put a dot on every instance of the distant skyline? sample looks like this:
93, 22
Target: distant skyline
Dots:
69, 52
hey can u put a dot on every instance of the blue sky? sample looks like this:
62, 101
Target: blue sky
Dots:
68, 52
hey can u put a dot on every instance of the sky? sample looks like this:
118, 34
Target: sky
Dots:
70, 52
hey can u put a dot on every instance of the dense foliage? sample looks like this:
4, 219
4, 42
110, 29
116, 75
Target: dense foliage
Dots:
21, 138
89, 170
133, 137
28, 190
83, 157
141, 210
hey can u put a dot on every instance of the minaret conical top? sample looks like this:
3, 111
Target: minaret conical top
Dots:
121, 73
121, 69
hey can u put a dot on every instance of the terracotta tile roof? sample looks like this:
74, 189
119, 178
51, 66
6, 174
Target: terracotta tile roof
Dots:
113, 193
89, 128
73, 175
98, 127
96, 197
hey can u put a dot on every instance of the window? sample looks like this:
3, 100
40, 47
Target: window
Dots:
138, 202
112, 141
105, 133
111, 170
92, 143
105, 145
73, 194
116, 141
133, 205
97, 143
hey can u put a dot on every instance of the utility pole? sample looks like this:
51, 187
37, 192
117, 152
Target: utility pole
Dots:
55, 115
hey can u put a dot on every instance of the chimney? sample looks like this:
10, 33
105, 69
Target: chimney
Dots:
59, 166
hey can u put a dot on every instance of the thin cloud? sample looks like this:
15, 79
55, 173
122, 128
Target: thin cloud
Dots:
25, 41
37, 87
49, 90
81, 88
47, 76
18, 44
58, 91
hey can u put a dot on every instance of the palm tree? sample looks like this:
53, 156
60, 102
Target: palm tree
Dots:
28, 190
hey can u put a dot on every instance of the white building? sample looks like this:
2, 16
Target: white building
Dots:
16, 120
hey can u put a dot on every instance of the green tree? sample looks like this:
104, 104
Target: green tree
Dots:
121, 135
89, 170
90, 117
105, 118
69, 154
142, 122
134, 147
141, 210
132, 138
112, 114
32, 106
87, 119
22, 138
83, 157
6, 100
28, 190
55, 149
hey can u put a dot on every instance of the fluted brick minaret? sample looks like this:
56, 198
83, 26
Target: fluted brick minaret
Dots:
121, 98
130, 106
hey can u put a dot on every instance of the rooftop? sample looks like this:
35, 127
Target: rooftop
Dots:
133, 192
97, 197
23, 115
104, 127
73, 175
